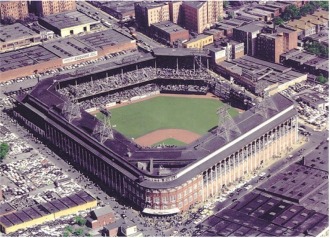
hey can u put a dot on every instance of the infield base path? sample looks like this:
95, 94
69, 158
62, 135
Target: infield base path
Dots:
160, 135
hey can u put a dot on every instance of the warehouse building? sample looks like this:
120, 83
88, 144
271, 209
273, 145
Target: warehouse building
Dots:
44, 212
68, 23
15, 36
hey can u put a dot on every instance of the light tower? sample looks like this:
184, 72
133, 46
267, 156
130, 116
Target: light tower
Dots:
262, 108
226, 124
71, 110
103, 130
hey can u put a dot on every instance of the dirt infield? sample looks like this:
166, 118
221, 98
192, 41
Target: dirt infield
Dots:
160, 135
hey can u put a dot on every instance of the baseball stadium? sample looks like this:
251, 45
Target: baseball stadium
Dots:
158, 130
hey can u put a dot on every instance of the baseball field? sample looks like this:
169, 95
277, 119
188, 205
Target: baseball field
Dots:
167, 120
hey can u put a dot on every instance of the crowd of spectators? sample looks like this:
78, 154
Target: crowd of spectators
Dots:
183, 88
107, 84
184, 74
110, 83
118, 96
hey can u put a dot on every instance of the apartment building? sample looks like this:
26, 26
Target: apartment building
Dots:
248, 35
271, 46
147, 13
13, 9
201, 15
175, 10
47, 7
195, 16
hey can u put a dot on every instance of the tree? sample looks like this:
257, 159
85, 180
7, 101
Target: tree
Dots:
79, 232
80, 221
66, 234
68, 229
291, 12
322, 79
225, 4
317, 49
278, 21
4, 149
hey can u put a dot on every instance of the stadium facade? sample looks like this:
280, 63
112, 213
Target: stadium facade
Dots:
159, 180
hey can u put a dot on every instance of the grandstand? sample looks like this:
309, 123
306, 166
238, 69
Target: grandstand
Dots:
158, 180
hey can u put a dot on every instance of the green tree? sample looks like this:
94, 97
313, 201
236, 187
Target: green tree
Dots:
80, 221
291, 12
317, 49
79, 232
278, 21
66, 234
322, 79
4, 149
68, 229
225, 4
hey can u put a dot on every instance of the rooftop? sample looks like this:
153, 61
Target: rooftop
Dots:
169, 27
16, 32
252, 27
102, 211
150, 5
199, 37
68, 19
24, 57
104, 38
67, 47
194, 4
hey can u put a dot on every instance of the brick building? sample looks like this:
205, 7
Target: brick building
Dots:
13, 9
175, 10
46, 7
271, 46
120, 10
199, 15
248, 35
147, 13
195, 16
214, 11
167, 32
100, 217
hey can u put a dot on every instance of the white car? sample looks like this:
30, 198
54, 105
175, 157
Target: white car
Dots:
262, 174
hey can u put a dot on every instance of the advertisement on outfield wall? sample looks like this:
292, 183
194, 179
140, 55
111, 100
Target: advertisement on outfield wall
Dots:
79, 57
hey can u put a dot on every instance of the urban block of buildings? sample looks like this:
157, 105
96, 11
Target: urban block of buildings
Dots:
258, 76
195, 16
62, 52
306, 62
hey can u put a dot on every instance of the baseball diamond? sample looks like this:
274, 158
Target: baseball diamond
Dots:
196, 115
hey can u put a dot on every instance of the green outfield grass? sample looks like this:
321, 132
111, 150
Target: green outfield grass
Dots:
192, 114
170, 141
